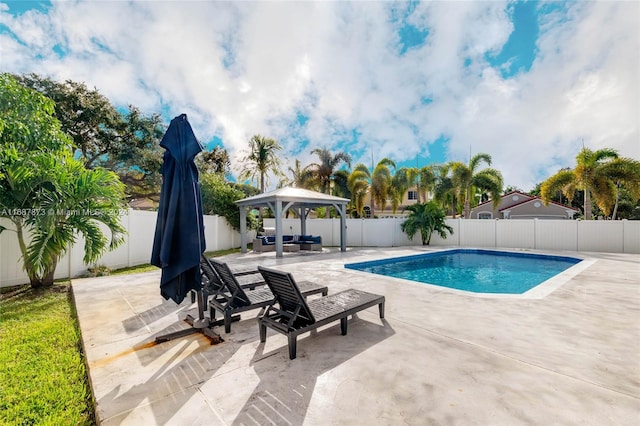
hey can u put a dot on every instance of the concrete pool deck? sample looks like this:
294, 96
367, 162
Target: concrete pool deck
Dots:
440, 356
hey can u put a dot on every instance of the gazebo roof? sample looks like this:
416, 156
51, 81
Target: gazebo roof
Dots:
298, 196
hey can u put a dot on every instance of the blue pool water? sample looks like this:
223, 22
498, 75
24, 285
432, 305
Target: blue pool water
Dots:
479, 271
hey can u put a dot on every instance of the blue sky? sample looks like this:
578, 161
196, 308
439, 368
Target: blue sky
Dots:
420, 83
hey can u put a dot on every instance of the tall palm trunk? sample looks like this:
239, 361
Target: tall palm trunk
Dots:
587, 204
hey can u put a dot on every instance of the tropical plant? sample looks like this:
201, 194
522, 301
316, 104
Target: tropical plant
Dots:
425, 218
45, 192
467, 180
261, 159
599, 174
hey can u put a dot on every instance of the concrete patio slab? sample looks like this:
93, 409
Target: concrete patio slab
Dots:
440, 356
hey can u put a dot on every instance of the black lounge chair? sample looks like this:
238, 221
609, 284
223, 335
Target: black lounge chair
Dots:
295, 316
236, 300
211, 281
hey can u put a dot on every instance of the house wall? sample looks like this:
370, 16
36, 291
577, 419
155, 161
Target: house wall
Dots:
405, 202
530, 211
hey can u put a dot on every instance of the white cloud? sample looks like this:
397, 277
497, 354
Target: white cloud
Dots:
243, 68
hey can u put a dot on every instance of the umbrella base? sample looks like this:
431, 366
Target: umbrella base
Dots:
197, 327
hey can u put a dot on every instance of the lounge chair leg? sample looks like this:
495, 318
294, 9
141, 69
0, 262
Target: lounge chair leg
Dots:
212, 313
227, 322
343, 326
292, 346
381, 309
263, 332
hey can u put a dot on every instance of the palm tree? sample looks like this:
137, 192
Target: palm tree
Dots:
262, 158
597, 173
381, 182
358, 183
467, 180
427, 179
323, 172
425, 218
65, 199
445, 188
300, 176
625, 173
401, 181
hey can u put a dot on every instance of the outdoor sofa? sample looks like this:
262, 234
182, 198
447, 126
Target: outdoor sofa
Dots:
292, 315
267, 243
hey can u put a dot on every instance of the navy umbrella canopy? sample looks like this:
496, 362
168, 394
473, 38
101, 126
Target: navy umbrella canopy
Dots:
179, 238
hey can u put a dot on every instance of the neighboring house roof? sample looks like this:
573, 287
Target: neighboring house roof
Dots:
539, 200
516, 203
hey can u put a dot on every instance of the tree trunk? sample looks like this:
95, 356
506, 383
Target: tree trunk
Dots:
587, 204
615, 207
467, 203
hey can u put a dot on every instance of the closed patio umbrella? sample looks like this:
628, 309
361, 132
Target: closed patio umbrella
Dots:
179, 237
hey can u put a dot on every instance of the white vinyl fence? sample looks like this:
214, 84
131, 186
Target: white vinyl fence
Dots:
621, 236
136, 250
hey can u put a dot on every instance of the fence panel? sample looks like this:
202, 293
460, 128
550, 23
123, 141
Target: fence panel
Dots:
477, 233
515, 233
600, 235
136, 249
631, 236
557, 234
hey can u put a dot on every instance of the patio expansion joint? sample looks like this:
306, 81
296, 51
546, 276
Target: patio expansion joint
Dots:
500, 354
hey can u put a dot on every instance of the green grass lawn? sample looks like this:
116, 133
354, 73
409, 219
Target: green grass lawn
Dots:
43, 377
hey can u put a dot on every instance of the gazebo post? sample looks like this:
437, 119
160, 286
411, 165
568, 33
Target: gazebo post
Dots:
303, 220
343, 227
243, 229
278, 214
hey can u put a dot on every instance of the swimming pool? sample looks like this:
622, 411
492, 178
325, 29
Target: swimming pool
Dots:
478, 271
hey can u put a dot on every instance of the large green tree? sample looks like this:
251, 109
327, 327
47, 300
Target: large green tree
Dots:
126, 143
599, 174
47, 194
425, 218
214, 161
219, 198
261, 159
